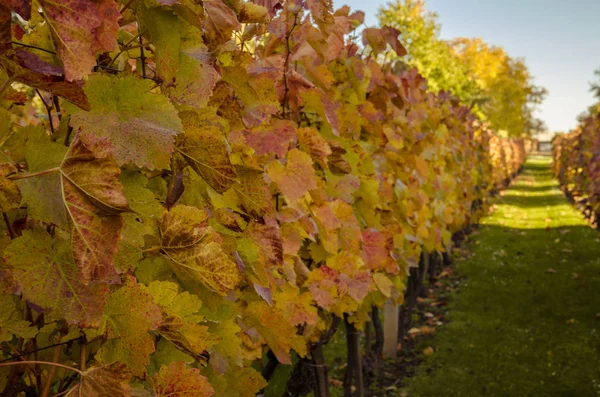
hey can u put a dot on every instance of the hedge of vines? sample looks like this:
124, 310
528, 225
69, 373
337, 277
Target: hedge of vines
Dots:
577, 164
187, 185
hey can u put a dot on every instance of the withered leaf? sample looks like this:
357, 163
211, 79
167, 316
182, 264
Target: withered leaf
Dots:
29, 69
103, 381
94, 199
204, 149
175, 380
81, 29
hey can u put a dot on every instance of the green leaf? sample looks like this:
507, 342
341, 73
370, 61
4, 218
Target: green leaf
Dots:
129, 314
43, 194
11, 320
163, 30
44, 269
128, 122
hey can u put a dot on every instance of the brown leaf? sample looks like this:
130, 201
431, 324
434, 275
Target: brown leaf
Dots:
204, 149
275, 138
183, 227
221, 21
5, 29
253, 191
94, 199
29, 69
175, 380
391, 36
103, 381
81, 29
189, 243
21, 7
10, 196
268, 237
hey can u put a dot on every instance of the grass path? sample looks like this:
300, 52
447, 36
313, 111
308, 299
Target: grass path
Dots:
524, 321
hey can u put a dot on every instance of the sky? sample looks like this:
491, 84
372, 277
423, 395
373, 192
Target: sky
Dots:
559, 40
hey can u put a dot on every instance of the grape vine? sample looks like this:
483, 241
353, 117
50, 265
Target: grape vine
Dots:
187, 185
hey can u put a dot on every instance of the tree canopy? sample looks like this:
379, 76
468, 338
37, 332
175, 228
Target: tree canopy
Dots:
498, 87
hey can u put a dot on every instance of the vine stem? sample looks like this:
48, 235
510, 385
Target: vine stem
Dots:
44, 172
42, 363
52, 372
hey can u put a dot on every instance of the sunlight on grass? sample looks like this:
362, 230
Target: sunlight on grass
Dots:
523, 322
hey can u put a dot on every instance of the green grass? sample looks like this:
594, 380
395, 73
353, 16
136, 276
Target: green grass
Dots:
524, 320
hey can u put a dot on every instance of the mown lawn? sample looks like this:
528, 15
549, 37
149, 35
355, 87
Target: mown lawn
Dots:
526, 319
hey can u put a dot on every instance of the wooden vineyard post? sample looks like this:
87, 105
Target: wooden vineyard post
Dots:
390, 329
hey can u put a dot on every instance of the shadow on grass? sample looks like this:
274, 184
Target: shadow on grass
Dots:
523, 322
533, 201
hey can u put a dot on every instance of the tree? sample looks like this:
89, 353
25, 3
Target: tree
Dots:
433, 58
595, 86
497, 87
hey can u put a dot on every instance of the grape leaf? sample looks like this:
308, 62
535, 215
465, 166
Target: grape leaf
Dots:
128, 122
196, 77
208, 264
220, 22
296, 178
391, 36
5, 29
175, 380
180, 319
253, 192
315, 145
275, 138
101, 381
129, 314
81, 29
279, 334
268, 238
203, 147
29, 69
11, 320
186, 240
10, 196
183, 227
163, 28
94, 199
129, 250
246, 382
21, 7
48, 277
43, 193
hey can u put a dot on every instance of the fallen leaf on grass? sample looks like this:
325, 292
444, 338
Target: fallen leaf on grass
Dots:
550, 270
574, 276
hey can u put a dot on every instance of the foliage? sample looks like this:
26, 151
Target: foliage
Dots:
577, 161
187, 184
434, 58
498, 88
510, 97
522, 320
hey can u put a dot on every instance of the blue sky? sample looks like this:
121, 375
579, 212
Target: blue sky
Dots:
560, 41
